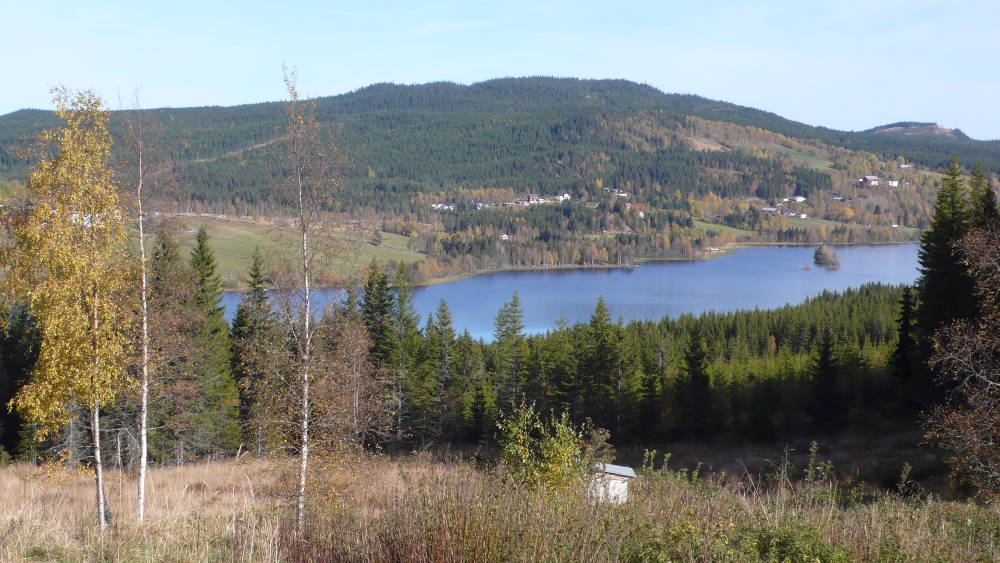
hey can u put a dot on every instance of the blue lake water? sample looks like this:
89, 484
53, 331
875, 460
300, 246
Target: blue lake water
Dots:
760, 277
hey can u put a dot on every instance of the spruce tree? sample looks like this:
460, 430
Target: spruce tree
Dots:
904, 365
174, 323
696, 389
376, 309
423, 391
216, 426
19, 340
254, 336
825, 400
945, 290
441, 360
561, 358
650, 409
509, 353
603, 368
479, 418
984, 199
414, 394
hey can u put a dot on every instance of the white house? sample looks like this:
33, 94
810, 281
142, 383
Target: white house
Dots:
610, 482
799, 199
892, 183
505, 236
564, 197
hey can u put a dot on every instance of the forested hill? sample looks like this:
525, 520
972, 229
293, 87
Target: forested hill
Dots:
543, 135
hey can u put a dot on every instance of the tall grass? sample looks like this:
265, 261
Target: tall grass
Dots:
417, 510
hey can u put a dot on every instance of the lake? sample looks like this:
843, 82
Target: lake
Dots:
764, 277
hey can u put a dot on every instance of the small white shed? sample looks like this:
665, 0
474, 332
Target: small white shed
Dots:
610, 482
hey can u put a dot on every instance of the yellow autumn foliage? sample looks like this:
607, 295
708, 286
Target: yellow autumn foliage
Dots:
65, 258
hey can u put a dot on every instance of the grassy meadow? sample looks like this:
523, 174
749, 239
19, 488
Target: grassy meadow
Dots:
418, 509
233, 241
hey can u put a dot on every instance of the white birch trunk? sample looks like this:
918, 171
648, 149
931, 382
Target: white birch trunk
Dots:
144, 383
305, 359
95, 422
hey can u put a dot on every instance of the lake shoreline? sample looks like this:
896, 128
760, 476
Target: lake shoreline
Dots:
725, 250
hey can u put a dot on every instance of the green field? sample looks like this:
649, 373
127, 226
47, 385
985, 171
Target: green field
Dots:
706, 226
808, 159
908, 232
233, 242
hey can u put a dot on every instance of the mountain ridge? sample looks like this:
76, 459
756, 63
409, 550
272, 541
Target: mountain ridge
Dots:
492, 85
540, 134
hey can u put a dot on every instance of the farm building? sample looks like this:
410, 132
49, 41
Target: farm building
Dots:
610, 482
869, 180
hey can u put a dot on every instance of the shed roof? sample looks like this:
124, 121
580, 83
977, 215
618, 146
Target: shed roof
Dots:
616, 469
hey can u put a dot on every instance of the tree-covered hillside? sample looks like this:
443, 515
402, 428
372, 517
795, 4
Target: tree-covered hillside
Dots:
457, 170
543, 135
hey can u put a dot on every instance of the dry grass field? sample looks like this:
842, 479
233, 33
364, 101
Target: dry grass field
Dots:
415, 509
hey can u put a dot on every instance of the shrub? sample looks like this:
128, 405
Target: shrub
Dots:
553, 453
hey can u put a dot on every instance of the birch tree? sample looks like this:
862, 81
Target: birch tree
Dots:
311, 186
66, 257
135, 141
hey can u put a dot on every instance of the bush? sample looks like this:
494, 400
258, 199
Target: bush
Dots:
791, 543
554, 454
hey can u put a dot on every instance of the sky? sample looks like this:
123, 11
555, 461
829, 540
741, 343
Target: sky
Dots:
845, 64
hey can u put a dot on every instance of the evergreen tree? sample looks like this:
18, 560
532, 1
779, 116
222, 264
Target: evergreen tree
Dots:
414, 394
217, 420
423, 391
904, 363
603, 369
479, 417
560, 362
376, 309
825, 400
19, 340
254, 335
696, 406
945, 289
764, 403
471, 372
174, 325
509, 353
441, 359
650, 409
984, 199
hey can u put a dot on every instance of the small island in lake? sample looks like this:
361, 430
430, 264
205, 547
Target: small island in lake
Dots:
826, 257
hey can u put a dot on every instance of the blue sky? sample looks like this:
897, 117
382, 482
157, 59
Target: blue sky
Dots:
844, 64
